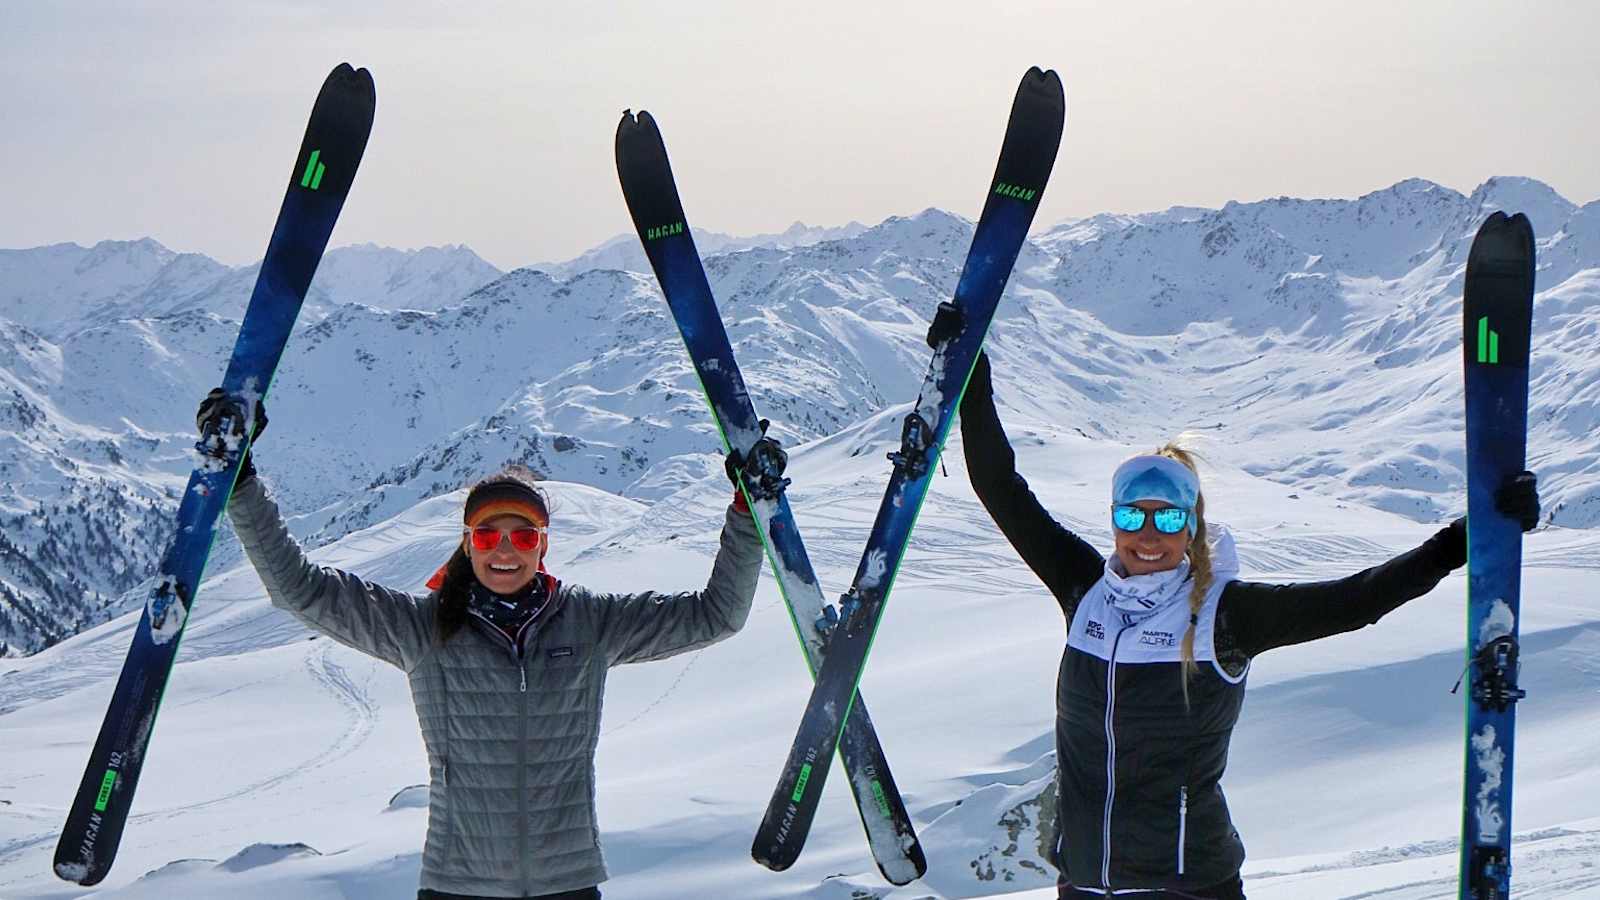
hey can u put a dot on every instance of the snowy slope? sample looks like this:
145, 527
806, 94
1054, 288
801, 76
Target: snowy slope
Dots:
102, 350
282, 765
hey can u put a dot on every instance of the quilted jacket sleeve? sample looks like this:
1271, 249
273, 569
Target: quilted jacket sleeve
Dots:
393, 626
650, 625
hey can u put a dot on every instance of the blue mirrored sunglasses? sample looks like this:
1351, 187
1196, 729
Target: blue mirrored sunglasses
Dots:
1169, 519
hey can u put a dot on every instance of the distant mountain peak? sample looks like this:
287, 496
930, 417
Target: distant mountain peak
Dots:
1545, 208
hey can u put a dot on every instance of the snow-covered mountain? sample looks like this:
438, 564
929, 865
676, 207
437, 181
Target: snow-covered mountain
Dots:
402, 279
101, 349
1310, 347
61, 288
1315, 341
624, 253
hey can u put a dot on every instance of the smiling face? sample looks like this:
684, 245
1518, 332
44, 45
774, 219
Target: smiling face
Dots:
505, 569
1147, 550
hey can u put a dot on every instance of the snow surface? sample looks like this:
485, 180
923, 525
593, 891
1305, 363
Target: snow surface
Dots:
285, 765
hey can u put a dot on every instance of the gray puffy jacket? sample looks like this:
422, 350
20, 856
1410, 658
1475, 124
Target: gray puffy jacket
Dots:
511, 809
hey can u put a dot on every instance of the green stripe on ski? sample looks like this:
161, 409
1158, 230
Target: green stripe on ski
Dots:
800, 783
106, 784
766, 541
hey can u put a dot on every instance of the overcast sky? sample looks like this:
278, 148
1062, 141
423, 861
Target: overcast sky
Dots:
179, 120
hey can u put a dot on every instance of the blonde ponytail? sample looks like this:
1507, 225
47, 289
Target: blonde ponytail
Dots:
1199, 554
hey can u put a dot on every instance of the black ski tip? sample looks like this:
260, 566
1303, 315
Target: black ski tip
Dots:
1033, 136
1513, 232
640, 121
635, 127
1043, 83
81, 873
1497, 293
1503, 246
774, 863
919, 865
350, 80
1043, 78
645, 174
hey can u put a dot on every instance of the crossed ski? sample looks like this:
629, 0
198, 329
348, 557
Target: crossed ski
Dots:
1033, 135
836, 640
657, 211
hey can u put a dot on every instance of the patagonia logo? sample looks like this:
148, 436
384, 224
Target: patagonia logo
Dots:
1158, 639
561, 652
1095, 630
1015, 191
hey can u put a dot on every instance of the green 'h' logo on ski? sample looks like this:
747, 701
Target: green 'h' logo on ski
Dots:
800, 786
1015, 191
313, 175
1488, 342
106, 784
661, 231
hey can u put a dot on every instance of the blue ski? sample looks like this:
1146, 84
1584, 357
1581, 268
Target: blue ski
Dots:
1027, 155
653, 200
323, 171
1497, 310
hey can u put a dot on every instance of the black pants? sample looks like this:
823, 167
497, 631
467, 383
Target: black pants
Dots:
1232, 889
592, 893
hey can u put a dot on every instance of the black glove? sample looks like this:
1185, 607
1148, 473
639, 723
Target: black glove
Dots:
762, 468
213, 409
946, 324
1518, 498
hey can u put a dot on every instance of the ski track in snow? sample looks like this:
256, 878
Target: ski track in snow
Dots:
1541, 868
329, 675
335, 681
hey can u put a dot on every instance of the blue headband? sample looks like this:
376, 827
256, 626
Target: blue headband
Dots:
1156, 478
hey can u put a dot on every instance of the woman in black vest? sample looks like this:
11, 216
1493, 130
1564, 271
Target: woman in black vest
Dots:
1159, 643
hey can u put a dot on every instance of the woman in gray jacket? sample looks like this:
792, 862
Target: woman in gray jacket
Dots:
507, 668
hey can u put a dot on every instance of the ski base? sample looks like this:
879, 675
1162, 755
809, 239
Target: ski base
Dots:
1033, 135
653, 199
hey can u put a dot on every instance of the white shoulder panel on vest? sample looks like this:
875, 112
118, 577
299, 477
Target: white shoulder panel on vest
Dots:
1157, 636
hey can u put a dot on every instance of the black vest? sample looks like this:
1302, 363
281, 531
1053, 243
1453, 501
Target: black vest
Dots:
1140, 802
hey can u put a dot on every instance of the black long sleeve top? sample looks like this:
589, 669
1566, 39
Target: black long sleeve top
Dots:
1252, 617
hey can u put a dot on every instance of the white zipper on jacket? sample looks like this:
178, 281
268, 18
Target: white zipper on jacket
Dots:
522, 786
1183, 822
1111, 760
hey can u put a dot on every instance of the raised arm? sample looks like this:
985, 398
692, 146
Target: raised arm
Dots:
1263, 616
393, 626
1066, 563
1258, 617
650, 625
